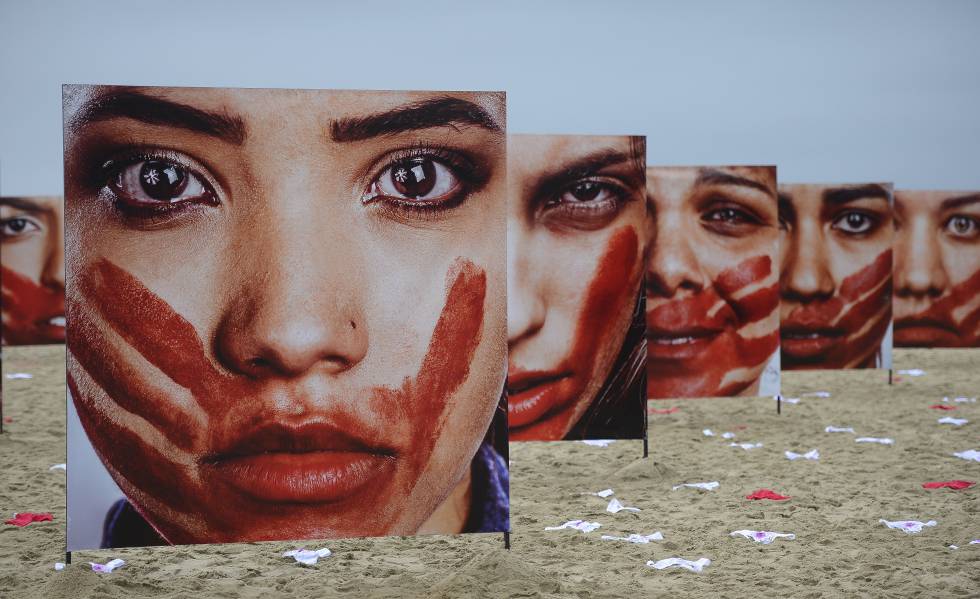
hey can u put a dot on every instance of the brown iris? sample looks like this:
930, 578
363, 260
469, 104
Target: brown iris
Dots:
414, 178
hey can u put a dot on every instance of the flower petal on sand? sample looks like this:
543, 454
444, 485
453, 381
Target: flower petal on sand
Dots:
767, 494
879, 440
817, 394
745, 446
576, 525
763, 536
663, 410
108, 566
912, 372
953, 421
25, 518
599, 442
615, 507
670, 562
59, 467
839, 429
13, 376
636, 538
307, 557
951, 484
728, 435
909, 526
708, 432
969, 454
940, 406
709, 486
813, 454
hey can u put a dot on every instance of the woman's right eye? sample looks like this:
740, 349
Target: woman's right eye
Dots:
155, 182
17, 226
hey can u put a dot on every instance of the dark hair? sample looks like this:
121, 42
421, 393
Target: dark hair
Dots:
619, 409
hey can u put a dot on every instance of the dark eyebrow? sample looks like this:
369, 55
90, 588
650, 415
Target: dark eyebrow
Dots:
960, 201
436, 112
24, 204
837, 196
157, 111
589, 165
710, 176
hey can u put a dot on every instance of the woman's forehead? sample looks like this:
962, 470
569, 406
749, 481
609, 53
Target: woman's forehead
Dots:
933, 200
686, 178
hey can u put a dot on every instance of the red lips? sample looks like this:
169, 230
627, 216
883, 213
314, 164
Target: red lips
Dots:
32, 313
533, 395
309, 463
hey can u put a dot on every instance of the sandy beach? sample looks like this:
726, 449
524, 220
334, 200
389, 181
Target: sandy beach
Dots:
840, 548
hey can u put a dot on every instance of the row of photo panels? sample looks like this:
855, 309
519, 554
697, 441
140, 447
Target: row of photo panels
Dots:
280, 301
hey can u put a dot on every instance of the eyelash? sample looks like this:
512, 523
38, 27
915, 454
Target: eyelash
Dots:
148, 214
745, 218
872, 221
471, 178
586, 214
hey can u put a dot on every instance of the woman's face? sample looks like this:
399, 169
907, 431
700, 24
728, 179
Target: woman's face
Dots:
287, 306
836, 244
712, 287
575, 241
937, 269
33, 270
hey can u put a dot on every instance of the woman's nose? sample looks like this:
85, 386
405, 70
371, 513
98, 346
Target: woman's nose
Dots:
806, 275
672, 266
526, 309
919, 267
53, 275
296, 310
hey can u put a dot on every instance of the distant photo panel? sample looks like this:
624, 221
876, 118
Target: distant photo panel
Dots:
937, 269
287, 311
32, 270
576, 237
836, 280
712, 282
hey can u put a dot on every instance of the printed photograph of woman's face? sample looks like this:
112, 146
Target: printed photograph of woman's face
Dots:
576, 235
937, 269
287, 309
836, 281
712, 282
32, 270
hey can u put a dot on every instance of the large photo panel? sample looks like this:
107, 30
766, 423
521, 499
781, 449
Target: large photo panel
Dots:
712, 282
937, 269
32, 270
836, 275
576, 237
287, 312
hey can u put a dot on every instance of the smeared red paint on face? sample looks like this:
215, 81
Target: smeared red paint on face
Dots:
28, 309
371, 458
937, 326
845, 330
542, 406
693, 342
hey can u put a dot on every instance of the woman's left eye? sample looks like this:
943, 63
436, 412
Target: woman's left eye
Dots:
962, 226
853, 223
729, 216
419, 180
157, 182
587, 191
